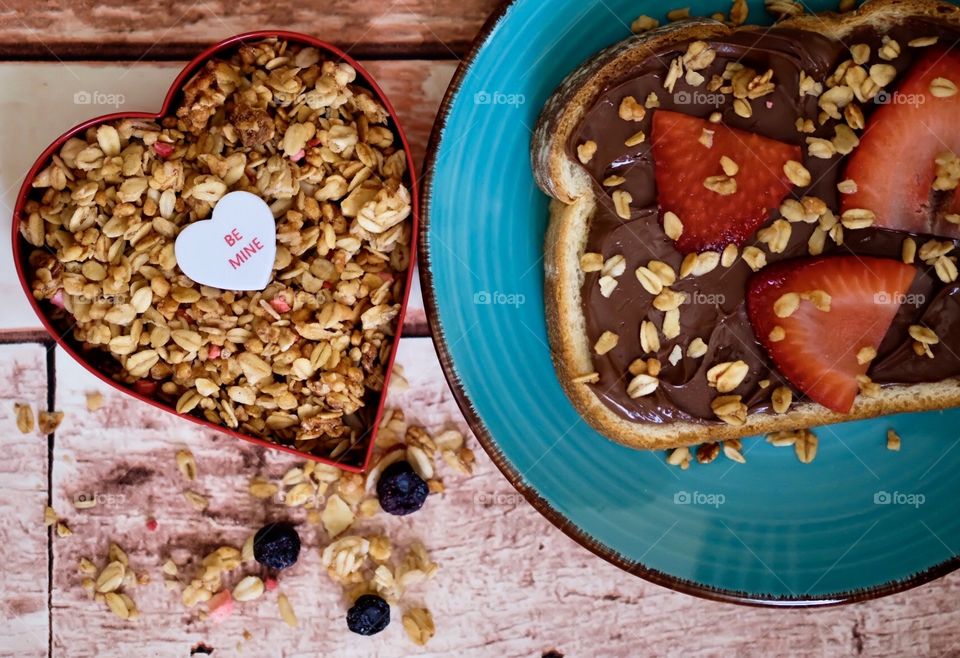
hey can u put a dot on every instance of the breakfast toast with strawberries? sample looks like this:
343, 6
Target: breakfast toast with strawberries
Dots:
755, 230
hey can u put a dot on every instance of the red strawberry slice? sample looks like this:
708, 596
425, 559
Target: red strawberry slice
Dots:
682, 162
817, 351
894, 166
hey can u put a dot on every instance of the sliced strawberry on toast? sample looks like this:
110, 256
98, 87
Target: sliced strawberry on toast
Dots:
815, 315
687, 151
895, 165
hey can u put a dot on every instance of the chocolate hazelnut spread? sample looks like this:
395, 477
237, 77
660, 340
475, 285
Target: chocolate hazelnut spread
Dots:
716, 309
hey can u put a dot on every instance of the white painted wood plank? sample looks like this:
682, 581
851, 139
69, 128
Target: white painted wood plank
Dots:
24, 627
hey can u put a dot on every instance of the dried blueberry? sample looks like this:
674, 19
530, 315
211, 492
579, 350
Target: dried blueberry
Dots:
401, 490
276, 545
369, 615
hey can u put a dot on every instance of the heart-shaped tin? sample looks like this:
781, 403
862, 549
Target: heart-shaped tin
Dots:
342, 315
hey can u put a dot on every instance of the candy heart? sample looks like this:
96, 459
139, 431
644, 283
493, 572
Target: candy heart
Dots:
235, 249
304, 355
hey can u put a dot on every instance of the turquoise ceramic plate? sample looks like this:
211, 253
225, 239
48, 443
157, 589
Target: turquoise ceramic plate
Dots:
858, 522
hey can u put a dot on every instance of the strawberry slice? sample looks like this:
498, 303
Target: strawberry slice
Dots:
816, 349
895, 165
685, 156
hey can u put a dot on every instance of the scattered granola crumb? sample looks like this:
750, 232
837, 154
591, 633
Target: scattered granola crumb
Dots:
187, 465
418, 623
24, 414
643, 24
198, 502
893, 440
49, 421
286, 611
94, 400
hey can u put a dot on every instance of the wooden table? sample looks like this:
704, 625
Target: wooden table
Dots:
510, 584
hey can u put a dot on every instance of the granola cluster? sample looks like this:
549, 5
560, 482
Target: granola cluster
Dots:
294, 363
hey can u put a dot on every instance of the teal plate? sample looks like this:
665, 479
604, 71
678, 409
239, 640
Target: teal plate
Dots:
857, 523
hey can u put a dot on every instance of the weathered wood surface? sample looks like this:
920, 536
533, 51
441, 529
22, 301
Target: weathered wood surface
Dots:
510, 584
24, 625
415, 87
179, 28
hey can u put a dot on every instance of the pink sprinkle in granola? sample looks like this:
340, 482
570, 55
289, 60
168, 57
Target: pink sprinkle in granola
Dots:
280, 305
145, 387
163, 149
57, 299
270, 584
213, 352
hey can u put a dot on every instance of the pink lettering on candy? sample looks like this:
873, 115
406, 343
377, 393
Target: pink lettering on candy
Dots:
246, 253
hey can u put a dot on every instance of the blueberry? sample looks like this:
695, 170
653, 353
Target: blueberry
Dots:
369, 615
276, 545
401, 490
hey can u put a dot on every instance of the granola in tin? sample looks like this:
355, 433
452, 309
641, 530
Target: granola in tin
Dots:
301, 362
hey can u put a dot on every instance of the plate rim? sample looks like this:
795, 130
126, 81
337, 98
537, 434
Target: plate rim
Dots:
489, 444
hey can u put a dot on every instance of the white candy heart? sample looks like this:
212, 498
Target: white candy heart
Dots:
235, 249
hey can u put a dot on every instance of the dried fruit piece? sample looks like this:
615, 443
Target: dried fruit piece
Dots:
400, 490
220, 606
276, 545
369, 615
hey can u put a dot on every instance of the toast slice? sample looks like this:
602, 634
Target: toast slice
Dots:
575, 203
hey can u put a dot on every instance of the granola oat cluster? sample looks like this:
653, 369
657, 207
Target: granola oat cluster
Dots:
294, 363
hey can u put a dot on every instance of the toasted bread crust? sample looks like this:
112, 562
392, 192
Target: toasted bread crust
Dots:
573, 207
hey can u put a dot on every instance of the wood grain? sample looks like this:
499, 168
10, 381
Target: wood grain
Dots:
176, 29
24, 620
510, 584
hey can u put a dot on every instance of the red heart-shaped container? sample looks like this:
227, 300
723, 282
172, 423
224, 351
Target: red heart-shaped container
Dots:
21, 247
